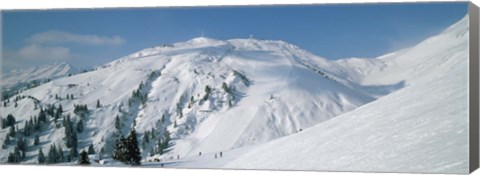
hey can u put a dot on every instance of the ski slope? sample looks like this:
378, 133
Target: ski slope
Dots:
271, 105
422, 128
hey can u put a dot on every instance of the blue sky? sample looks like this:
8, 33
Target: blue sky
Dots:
94, 37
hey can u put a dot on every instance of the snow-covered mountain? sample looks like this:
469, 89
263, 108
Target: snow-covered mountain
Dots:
266, 104
421, 128
20, 79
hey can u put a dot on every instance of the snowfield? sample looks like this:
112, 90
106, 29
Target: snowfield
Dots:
266, 104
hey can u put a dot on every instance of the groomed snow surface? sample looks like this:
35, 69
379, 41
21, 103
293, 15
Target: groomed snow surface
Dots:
272, 105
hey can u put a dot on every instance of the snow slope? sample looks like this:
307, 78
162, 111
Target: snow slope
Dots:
258, 92
19, 78
421, 128
271, 105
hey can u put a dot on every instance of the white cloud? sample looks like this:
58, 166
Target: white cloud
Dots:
34, 54
59, 37
45, 53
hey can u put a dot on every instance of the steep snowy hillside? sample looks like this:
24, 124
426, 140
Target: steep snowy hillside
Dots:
393, 71
20, 79
257, 104
421, 128
203, 95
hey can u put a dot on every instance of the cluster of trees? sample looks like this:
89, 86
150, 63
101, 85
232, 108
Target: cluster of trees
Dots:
137, 95
147, 136
229, 91
70, 96
5, 102
126, 149
33, 125
208, 90
71, 139
19, 151
9, 121
245, 80
56, 155
162, 144
17, 98
80, 110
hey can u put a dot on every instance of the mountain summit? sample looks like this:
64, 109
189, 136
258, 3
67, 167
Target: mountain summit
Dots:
252, 98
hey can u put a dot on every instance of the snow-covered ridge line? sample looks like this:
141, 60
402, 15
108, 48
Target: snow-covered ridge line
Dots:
246, 97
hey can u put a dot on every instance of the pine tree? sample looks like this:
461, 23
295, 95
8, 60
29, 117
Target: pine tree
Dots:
117, 122
7, 140
71, 96
152, 133
126, 149
41, 157
10, 120
80, 126
12, 131
3, 123
16, 104
91, 150
83, 159
36, 141
98, 104
52, 155
73, 152
134, 156
59, 110
120, 149
60, 156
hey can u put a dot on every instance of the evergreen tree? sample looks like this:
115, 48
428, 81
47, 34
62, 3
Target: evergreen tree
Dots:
120, 149
152, 133
73, 152
91, 150
70, 133
26, 129
126, 150
134, 156
98, 104
225, 87
60, 156
117, 122
207, 92
80, 126
59, 110
83, 159
22, 146
36, 141
3, 123
12, 131
41, 157
71, 96
10, 121
16, 105
52, 156
7, 140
